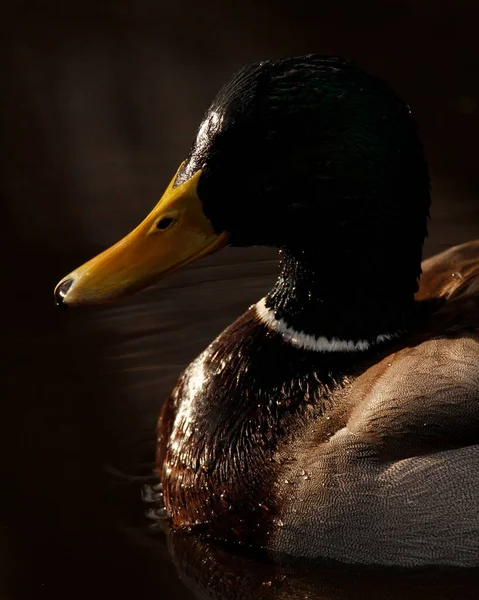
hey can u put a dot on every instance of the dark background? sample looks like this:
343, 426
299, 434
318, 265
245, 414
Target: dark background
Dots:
99, 103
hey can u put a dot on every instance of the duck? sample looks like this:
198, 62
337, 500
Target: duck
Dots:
338, 417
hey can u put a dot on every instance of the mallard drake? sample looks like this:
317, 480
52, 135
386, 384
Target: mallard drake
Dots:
339, 416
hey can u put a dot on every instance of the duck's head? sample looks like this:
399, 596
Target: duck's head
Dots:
310, 155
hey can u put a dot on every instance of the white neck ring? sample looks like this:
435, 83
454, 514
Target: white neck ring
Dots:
310, 342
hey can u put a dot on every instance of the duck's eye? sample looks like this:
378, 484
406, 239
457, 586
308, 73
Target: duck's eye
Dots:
164, 223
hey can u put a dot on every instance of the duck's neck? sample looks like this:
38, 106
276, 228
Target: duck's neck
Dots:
349, 306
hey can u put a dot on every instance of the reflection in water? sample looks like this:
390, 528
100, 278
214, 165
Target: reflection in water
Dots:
214, 573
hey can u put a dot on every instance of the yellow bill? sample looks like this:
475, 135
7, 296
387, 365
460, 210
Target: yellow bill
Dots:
175, 233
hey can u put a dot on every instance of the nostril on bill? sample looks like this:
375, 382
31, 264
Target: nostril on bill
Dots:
61, 291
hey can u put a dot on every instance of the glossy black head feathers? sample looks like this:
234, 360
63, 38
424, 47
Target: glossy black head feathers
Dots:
316, 157
301, 134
